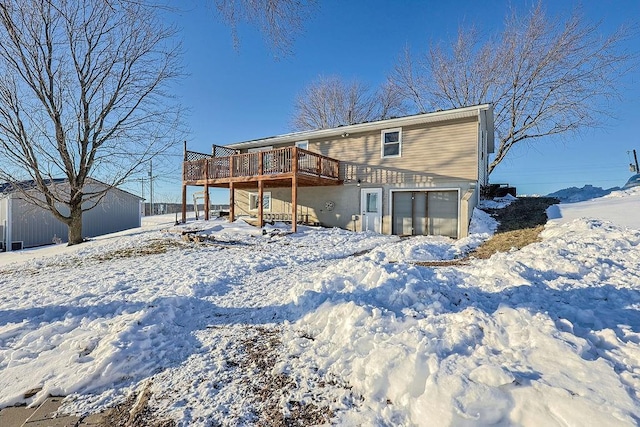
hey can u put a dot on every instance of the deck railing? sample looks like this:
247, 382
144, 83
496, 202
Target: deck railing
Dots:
262, 163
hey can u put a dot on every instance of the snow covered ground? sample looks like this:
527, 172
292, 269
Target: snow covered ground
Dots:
548, 335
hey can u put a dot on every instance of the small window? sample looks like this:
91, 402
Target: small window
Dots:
303, 144
372, 202
391, 142
266, 201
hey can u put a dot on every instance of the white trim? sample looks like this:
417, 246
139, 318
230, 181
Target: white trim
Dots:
265, 194
383, 132
393, 190
300, 144
438, 116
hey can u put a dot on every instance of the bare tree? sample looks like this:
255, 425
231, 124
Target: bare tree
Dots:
279, 20
82, 96
544, 76
330, 102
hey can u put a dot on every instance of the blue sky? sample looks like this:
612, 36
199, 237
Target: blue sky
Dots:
245, 93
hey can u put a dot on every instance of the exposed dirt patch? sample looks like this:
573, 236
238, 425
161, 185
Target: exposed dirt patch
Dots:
520, 225
153, 247
133, 412
526, 212
262, 352
504, 242
258, 350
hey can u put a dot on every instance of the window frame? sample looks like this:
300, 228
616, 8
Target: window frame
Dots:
253, 195
304, 142
383, 144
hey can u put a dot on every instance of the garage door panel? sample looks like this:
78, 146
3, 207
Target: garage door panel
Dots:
402, 221
443, 213
420, 223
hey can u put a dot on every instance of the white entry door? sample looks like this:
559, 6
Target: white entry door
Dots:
371, 209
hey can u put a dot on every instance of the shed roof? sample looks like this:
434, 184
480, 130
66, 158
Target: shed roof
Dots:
11, 187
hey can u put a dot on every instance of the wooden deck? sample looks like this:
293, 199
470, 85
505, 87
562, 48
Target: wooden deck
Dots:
275, 168
283, 167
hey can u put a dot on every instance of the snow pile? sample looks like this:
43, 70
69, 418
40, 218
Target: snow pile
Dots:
434, 248
621, 207
550, 332
633, 181
546, 335
497, 202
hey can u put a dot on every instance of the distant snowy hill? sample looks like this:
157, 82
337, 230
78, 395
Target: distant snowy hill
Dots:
575, 194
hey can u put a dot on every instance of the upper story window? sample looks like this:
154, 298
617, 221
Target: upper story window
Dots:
392, 142
303, 144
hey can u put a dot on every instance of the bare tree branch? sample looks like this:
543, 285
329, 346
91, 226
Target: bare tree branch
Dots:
331, 102
544, 76
279, 20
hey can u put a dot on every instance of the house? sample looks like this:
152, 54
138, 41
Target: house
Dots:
413, 175
24, 225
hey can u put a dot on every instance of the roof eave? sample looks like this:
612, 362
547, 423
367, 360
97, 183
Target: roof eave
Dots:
437, 116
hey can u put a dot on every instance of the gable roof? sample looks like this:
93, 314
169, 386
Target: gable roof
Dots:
438, 116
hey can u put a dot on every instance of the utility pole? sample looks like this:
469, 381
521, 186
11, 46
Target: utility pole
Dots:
151, 186
635, 156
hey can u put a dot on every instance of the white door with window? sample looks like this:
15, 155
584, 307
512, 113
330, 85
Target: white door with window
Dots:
371, 209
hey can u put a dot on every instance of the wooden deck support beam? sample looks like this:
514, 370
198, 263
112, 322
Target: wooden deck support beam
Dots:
294, 192
232, 201
184, 186
184, 203
206, 191
206, 202
260, 204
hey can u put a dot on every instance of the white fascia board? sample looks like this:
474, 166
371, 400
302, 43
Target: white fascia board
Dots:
438, 116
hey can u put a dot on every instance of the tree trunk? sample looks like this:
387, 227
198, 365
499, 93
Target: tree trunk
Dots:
75, 224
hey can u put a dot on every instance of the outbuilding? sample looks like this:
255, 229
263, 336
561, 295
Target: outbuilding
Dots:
24, 225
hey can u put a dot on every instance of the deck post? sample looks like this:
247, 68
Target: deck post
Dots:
260, 203
184, 203
184, 186
294, 191
206, 190
206, 201
232, 201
